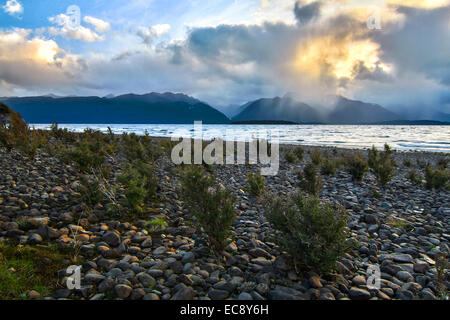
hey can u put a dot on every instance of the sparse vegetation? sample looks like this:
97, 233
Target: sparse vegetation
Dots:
313, 233
156, 225
310, 180
357, 166
316, 157
437, 178
328, 167
290, 156
299, 153
90, 191
255, 184
382, 164
25, 268
213, 208
407, 163
140, 185
442, 274
414, 177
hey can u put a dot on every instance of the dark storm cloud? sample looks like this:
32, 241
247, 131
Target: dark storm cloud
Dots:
304, 13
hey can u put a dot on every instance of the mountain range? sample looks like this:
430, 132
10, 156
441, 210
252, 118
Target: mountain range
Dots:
178, 108
152, 108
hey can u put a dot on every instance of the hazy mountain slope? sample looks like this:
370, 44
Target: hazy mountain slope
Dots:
348, 111
285, 109
125, 109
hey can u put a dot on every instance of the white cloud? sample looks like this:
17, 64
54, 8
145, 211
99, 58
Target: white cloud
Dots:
67, 29
99, 25
150, 33
33, 62
13, 8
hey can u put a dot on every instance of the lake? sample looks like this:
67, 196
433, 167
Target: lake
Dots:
425, 138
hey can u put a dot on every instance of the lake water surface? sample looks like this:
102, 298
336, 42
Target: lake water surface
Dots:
425, 138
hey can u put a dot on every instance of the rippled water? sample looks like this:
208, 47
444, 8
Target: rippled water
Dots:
426, 138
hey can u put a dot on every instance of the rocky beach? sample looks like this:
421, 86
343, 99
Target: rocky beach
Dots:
161, 254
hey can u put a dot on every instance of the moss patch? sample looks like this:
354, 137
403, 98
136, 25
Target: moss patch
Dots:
25, 268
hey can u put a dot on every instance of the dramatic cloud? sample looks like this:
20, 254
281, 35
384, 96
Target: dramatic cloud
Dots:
36, 62
13, 8
306, 12
325, 48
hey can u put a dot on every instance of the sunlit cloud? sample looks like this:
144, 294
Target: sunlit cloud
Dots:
27, 61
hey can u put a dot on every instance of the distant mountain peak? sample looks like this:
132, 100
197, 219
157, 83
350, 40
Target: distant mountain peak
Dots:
287, 108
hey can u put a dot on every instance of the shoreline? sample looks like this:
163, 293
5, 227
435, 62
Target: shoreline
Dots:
103, 129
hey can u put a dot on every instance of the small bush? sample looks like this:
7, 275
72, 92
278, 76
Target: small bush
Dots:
313, 233
156, 225
316, 157
357, 166
299, 153
310, 181
14, 132
256, 184
140, 185
422, 163
90, 191
442, 163
290, 156
328, 167
437, 178
87, 155
407, 163
382, 164
142, 148
213, 208
414, 177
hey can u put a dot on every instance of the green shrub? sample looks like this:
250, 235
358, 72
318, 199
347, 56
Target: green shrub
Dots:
290, 156
357, 166
414, 177
14, 131
442, 163
310, 181
437, 178
328, 167
372, 158
422, 163
299, 153
255, 184
87, 155
156, 225
140, 184
313, 233
213, 208
142, 148
316, 157
407, 163
90, 191
382, 164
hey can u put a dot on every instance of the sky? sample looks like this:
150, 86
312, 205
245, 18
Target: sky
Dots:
227, 52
